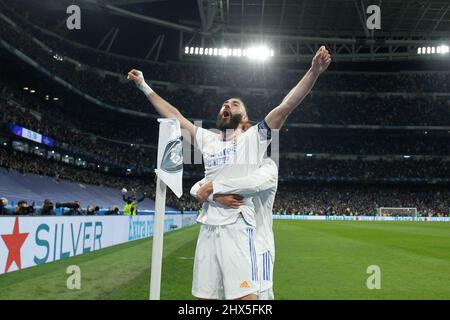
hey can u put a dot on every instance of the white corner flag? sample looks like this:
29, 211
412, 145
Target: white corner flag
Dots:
169, 172
170, 155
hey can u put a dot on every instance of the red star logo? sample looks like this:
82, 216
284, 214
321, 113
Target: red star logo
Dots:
14, 243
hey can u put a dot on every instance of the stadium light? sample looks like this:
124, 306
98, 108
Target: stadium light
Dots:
225, 52
57, 57
257, 53
442, 49
261, 53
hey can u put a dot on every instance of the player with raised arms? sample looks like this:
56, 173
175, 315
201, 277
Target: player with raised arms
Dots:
225, 263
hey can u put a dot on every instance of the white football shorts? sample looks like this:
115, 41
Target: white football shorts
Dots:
265, 267
225, 263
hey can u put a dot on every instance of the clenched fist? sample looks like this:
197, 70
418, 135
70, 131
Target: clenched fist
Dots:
138, 78
321, 60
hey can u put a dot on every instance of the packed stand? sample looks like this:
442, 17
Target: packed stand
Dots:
360, 200
325, 107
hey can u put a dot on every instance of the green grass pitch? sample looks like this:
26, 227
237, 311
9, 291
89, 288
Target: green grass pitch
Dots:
314, 260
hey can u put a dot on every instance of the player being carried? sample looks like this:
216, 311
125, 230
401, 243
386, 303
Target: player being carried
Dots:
261, 186
225, 263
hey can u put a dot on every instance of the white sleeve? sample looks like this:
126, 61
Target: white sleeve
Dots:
199, 137
260, 136
264, 131
195, 188
263, 178
203, 136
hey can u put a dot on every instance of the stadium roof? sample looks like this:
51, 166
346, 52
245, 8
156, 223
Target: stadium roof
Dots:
295, 28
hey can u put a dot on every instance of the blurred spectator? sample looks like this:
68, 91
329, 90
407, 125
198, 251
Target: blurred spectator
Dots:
132, 201
114, 211
47, 209
91, 210
74, 208
3, 204
23, 209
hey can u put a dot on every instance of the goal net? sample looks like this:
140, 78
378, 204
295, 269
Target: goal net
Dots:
399, 212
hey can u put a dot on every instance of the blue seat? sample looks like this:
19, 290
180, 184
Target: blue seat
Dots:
34, 188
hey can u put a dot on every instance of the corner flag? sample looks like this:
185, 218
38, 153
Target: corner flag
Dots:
170, 155
169, 172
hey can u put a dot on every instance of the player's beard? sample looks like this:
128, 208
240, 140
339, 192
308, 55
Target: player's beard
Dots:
232, 124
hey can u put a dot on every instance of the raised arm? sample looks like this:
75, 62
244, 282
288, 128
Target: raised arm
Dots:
164, 108
276, 118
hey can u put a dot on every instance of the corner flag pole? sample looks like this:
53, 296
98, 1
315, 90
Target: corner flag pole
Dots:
158, 237
169, 173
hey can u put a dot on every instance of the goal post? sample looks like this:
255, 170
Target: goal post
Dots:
397, 211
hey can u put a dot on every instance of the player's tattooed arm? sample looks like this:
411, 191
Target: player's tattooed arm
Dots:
276, 118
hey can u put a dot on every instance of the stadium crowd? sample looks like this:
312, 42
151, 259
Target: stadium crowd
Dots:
220, 74
292, 199
340, 98
364, 170
360, 199
76, 136
324, 106
131, 147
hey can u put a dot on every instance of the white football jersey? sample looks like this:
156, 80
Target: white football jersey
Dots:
227, 159
262, 185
